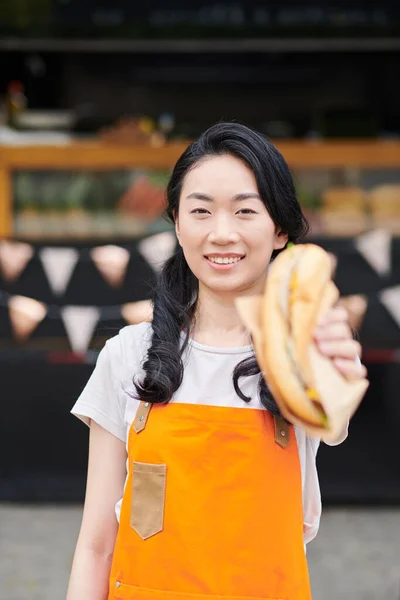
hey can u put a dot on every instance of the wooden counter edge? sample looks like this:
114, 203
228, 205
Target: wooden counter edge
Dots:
103, 156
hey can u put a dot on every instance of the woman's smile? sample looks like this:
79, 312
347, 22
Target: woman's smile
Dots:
224, 261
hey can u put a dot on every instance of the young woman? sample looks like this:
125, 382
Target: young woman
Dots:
191, 495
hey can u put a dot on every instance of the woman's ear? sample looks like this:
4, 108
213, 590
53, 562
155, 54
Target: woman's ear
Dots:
281, 239
177, 231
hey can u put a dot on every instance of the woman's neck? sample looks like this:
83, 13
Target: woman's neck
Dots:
217, 322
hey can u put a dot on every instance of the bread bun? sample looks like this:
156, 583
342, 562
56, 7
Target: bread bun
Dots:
298, 285
308, 388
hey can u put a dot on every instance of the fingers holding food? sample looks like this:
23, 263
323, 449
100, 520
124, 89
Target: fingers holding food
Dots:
350, 369
333, 331
347, 348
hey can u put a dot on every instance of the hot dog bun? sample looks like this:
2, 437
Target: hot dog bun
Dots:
299, 284
307, 386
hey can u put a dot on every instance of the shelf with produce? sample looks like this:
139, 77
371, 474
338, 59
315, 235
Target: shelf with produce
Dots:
82, 204
106, 191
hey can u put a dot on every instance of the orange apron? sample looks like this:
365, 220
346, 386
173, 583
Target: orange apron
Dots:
212, 507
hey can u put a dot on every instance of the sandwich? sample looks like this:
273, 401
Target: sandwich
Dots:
307, 387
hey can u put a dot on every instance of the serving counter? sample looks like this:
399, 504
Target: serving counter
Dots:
84, 194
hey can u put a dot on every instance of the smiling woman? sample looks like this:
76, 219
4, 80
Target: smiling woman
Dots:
226, 227
231, 195
221, 493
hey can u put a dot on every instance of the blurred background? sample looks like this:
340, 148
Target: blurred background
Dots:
98, 99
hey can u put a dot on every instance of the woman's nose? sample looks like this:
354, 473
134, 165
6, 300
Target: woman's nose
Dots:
223, 231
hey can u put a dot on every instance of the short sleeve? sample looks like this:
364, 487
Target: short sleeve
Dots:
100, 399
307, 449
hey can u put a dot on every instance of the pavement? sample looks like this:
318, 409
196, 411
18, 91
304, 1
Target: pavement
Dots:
356, 555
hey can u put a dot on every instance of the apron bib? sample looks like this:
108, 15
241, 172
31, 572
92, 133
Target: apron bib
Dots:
212, 507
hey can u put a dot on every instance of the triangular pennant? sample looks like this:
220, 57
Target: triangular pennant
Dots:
25, 315
58, 264
356, 306
158, 248
390, 299
14, 256
112, 262
376, 247
80, 322
137, 312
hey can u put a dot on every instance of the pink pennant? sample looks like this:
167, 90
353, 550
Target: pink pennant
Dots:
14, 256
25, 315
137, 312
112, 262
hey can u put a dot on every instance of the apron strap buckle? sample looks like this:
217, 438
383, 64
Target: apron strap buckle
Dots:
282, 431
141, 416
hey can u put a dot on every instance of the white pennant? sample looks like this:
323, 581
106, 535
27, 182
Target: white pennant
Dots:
58, 264
80, 322
375, 247
14, 256
390, 299
157, 249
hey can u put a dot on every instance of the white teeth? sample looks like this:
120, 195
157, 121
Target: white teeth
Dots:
223, 261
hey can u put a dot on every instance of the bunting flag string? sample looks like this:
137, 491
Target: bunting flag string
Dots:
59, 263
26, 314
111, 261
79, 321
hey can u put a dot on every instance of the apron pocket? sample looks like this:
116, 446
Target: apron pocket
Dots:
148, 498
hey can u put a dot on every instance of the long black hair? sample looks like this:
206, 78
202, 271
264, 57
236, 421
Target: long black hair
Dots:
177, 288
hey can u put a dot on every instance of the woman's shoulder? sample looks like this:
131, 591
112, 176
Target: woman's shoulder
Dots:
128, 339
128, 347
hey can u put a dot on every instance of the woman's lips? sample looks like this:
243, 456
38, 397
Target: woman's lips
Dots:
229, 262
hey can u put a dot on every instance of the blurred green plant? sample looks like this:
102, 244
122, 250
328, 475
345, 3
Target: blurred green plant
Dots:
88, 190
308, 199
78, 187
158, 178
23, 186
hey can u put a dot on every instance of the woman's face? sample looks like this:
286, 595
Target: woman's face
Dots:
224, 228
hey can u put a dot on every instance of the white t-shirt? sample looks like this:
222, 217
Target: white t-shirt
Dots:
109, 398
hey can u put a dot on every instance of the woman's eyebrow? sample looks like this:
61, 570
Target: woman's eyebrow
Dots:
247, 196
237, 198
199, 196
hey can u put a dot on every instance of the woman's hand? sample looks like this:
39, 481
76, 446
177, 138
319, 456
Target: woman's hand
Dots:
334, 339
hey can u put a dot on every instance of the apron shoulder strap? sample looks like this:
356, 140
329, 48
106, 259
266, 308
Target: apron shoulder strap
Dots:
282, 430
141, 416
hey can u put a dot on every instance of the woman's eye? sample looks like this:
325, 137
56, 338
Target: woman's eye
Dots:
246, 211
199, 211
